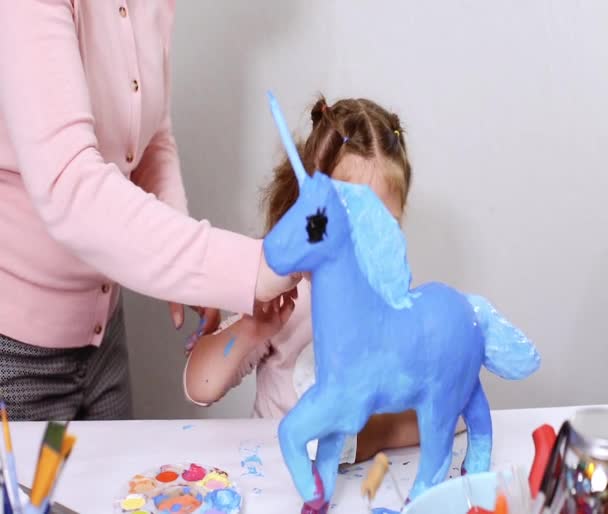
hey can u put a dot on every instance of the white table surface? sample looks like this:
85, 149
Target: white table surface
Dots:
108, 453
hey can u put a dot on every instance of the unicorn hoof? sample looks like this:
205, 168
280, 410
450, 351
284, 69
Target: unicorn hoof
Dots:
315, 508
317, 505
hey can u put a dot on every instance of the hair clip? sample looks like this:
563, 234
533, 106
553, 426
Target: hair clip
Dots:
345, 140
397, 133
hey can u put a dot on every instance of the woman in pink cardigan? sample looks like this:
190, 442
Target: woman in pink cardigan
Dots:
91, 197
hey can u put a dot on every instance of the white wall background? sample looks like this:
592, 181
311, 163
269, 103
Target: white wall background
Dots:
506, 106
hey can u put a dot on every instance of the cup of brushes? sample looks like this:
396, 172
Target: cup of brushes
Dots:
54, 452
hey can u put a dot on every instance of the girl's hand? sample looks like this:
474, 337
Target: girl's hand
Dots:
211, 317
270, 286
270, 317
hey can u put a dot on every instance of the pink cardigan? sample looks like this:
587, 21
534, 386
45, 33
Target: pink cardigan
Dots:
90, 187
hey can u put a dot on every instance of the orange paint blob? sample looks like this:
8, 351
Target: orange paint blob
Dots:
167, 476
187, 504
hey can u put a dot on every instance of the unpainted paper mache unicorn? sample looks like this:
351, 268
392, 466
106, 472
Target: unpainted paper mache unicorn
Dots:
380, 346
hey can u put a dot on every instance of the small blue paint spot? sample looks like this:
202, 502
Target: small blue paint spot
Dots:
187, 427
229, 347
382, 510
201, 326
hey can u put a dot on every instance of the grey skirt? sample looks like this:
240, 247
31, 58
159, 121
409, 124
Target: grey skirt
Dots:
88, 383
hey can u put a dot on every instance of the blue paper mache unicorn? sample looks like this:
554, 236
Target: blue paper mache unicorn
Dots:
380, 346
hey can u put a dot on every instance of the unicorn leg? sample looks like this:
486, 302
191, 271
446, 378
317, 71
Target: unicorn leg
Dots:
308, 420
328, 459
436, 442
476, 415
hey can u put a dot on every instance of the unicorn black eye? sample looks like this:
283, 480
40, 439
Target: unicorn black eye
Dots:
316, 226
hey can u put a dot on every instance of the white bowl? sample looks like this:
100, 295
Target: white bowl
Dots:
449, 497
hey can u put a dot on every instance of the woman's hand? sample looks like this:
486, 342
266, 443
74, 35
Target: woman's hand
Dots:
210, 318
270, 317
270, 286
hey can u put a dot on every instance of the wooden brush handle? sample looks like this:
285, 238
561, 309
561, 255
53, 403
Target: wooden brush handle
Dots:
375, 476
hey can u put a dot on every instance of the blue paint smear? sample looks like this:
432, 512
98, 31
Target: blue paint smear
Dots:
252, 465
382, 510
229, 347
187, 427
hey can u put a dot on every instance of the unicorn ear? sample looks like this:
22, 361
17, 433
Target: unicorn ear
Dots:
288, 144
379, 244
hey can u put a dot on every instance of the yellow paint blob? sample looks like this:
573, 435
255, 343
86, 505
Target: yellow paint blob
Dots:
133, 502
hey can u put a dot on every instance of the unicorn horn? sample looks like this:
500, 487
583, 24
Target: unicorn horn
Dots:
288, 144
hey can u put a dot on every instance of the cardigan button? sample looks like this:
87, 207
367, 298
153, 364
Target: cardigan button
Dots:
98, 329
123, 11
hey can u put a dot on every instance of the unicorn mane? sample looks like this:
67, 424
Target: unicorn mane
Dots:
379, 244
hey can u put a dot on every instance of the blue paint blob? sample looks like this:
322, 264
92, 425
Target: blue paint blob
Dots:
187, 427
382, 510
229, 347
222, 500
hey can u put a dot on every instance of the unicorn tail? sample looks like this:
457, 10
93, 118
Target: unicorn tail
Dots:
508, 352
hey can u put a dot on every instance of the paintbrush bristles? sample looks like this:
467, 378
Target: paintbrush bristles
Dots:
54, 435
68, 444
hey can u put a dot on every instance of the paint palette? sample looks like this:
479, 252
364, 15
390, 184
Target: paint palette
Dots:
180, 489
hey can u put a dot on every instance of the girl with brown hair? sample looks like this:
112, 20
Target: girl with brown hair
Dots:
353, 140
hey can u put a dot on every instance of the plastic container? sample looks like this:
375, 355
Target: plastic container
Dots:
450, 497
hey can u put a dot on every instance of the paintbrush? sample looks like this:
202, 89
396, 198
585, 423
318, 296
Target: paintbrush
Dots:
11, 467
5, 502
66, 450
55, 508
48, 462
